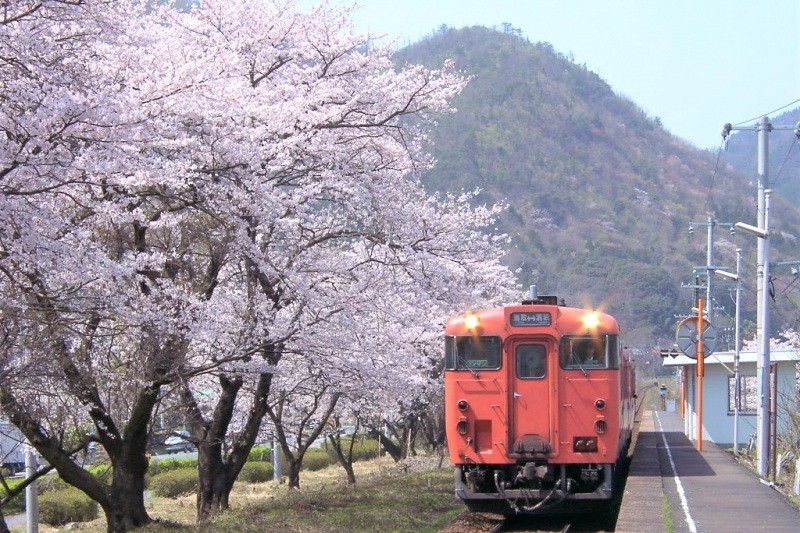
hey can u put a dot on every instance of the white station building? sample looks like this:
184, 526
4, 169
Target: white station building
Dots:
719, 399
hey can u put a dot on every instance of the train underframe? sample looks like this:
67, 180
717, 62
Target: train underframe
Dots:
531, 487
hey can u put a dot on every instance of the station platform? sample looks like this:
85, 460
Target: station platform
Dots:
673, 487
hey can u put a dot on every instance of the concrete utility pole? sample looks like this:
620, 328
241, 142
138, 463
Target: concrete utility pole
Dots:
31, 496
763, 127
737, 346
709, 269
276, 461
762, 295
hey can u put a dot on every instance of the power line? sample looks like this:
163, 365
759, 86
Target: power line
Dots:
788, 153
767, 114
713, 179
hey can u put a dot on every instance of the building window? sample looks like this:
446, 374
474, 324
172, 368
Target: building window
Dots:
748, 394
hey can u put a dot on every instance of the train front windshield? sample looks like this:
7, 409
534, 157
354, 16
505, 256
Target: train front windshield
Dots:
473, 352
586, 352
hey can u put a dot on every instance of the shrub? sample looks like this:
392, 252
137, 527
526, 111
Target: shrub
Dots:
174, 483
256, 472
363, 450
68, 505
316, 459
260, 454
159, 466
47, 484
16, 504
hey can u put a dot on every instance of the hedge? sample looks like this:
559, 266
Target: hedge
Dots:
363, 450
159, 466
256, 472
174, 483
59, 507
260, 454
316, 459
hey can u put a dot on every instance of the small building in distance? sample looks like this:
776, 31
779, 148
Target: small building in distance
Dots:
718, 393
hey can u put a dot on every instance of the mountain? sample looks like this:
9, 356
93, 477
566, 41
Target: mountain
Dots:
600, 196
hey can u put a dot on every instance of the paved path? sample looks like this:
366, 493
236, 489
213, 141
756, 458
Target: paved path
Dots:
706, 491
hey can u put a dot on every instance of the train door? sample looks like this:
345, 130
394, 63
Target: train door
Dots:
530, 397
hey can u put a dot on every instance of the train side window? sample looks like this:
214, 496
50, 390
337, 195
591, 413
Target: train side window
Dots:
450, 353
473, 353
614, 350
531, 360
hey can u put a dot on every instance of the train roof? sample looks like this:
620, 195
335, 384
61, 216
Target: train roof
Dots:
527, 317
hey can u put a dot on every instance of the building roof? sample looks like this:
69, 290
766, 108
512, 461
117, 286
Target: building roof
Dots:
717, 358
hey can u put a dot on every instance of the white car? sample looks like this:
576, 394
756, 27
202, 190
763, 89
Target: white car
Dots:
178, 443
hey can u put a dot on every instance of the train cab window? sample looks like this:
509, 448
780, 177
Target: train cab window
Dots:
531, 361
585, 352
473, 353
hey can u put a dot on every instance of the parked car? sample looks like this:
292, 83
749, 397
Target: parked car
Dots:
179, 442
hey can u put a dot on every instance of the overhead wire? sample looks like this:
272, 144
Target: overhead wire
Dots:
767, 113
713, 179
785, 159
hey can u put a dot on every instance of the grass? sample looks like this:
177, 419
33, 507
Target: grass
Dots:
666, 510
384, 499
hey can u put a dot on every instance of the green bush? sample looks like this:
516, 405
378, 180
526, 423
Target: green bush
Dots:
316, 459
256, 472
17, 504
174, 483
159, 466
68, 505
260, 454
47, 484
363, 450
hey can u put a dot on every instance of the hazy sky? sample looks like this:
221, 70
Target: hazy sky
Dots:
695, 64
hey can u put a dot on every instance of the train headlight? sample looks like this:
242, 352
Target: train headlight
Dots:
591, 320
471, 321
463, 405
462, 427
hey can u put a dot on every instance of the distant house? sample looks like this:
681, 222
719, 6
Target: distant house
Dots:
718, 393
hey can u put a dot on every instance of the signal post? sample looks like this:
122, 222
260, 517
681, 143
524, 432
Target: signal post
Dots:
697, 338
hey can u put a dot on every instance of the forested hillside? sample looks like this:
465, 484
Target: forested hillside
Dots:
600, 196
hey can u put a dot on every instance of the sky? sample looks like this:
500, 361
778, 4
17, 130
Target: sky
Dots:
694, 64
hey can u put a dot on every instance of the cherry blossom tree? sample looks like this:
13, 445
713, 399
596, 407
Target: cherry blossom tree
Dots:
188, 196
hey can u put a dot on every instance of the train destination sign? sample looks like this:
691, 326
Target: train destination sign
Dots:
531, 318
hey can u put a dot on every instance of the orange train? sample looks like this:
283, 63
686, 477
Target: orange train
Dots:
539, 405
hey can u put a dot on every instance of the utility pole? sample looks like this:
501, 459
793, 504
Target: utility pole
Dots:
737, 346
31, 495
762, 127
709, 269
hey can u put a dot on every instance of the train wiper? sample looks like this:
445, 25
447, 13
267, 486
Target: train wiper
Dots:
464, 362
578, 362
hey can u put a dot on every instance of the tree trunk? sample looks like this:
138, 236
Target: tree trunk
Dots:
3, 525
346, 460
294, 471
351, 475
217, 474
395, 451
123, 500
214, 490
125, 508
